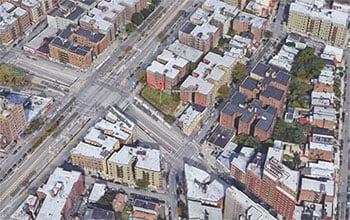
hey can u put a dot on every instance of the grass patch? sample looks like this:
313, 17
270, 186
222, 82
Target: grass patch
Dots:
163, 102
13, 77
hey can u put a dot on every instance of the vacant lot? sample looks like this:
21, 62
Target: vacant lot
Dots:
164, 102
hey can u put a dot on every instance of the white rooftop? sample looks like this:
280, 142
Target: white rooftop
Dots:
203, 86
88, 150
320, 169
318, 186
168, 70
116, 125
38, 107
97, 21
204, 31
277, 171
97, 137
172, 59
320, 146
7, 16
216, 59
98, 190
200, 15
241, 159
322, 98
189, 116
189, 53
148, 159
321, 113
333, 16
201, 188
21, 213
255, 21
198, 211
248, 206
61, 182
226, 155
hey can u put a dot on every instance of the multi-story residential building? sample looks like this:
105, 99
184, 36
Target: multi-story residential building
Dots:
69, 52
239, 206
130, 164
239, 3
317, 191
239, 163
213, 72
92, 153
60, 194
77, 46
221, 13
202, 37
319, 170
341, 5
248, 23
37, 9
198, 91
191, 118
200, 188
102, 140
14, 21
167, 70
65, 14
188, 53
12, 119
326, 25
279, 184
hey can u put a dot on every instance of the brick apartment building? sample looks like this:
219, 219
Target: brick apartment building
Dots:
77, 46
12, 120
197, 91
130, 164
269, 180
202, 37
60, 194
14, 21
65, 14
37, 9
248, 23
327, 25
167, 70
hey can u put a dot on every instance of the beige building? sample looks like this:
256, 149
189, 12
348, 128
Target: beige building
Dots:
37, 9
130, 164
12, 120
321, 24
92, 153
101, 141
14, 21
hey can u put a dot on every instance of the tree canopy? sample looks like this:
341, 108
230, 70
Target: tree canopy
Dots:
13, 77
142, 183
130, 28
223, 91
238, 72
137, 18
289, 132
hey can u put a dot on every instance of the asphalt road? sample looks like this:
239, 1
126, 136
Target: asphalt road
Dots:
343, 183
92, 99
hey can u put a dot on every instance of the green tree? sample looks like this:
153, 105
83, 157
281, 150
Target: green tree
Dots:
155, 2
137, 18
268, 34
231, 33
240, 139
142, 183
130, 28
238, 72
253, 142
223, 91
289, 132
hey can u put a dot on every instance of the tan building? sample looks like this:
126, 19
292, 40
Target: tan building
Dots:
37, 9
92, 153
101, 141
14, 21
130, 164
77, 46
321, 24
202, 37
12, 119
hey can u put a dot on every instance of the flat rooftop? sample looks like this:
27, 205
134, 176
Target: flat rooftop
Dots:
189, 53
